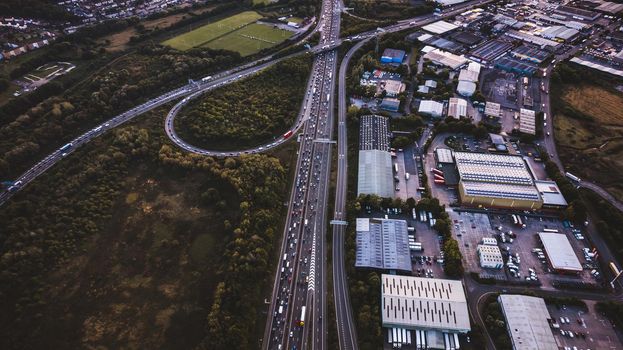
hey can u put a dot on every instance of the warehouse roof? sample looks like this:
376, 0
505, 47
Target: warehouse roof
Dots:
498, 168
445, 58
598, 66
610, 7
559, 251
373, 133
500, 190
550, 193
383, 244
527, 121
527, 322
431, 107
457, 107
428, 303
439, 27
531, 38
375, 173
492, 109
468, 75
444, 155
466, 88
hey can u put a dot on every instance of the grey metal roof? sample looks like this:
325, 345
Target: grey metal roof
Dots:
526, 320
383, 244
375, 174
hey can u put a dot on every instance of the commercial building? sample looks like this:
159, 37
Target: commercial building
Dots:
391, 87
532, 39
457, 107
515, 66
432, 108
598, 66
530, 54
496, 180
424, 304
375, 174
392, 56
610, 7
444, 155
466, 88
439, 27
527, 121
490, 51
527, 322
444, 58
492, 109
559, 33
552, 197
559, 252
578, 13
490, 256
390, 104
382, 244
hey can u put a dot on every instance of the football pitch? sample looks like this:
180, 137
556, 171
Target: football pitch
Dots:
250, 39
209, 32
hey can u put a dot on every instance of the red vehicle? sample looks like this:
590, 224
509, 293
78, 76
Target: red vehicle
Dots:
288, 134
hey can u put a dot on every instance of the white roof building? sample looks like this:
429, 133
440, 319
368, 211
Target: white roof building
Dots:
430, 107
444, 155
457, 107
445, 58
492, 168
527, 322
382, 244
490, 256
527, 122
559, 252
492, 109
466, 88
424, 303
439, 27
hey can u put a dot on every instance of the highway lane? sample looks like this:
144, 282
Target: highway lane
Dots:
346, 329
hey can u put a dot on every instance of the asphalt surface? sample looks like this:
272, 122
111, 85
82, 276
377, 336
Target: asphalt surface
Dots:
300, 279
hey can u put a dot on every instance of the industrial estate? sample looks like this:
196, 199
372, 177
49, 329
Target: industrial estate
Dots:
441, 130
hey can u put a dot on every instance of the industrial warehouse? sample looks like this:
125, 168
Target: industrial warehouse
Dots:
559, 252
527, 322
434, 309
375, 162
383, 244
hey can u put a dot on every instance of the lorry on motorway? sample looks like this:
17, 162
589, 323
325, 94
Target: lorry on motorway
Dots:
287, 134
206, 78
302, 320
407, 176
66, 147
280, 309
572, 177
396, 167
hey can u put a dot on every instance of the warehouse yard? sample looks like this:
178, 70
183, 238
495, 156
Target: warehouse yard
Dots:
203, 35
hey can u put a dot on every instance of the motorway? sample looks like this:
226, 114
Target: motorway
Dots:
297, 316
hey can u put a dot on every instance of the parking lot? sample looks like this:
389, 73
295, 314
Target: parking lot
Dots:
425, 261
470, 227
590, 329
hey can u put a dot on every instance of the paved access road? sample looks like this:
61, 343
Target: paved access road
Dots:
548, 127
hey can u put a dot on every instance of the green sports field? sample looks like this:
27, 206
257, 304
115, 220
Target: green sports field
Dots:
208, 32
250, 39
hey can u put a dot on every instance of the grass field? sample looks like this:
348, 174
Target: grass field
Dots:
603, 105
209, 32
250, 39
592, 149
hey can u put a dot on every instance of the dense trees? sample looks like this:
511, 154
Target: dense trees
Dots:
54, 222
48, 122
249, 112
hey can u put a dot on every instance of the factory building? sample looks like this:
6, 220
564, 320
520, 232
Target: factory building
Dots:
559, 252
430, 312
432, 108
457, 107
496, 180
375, 174
444, 58
490, 256
492, 109
527, 322
382, 244
527, 122
393, 56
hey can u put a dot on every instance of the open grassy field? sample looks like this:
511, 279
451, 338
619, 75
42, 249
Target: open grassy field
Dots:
209, 32
592, 149
119, 41
250, 39
603, 105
